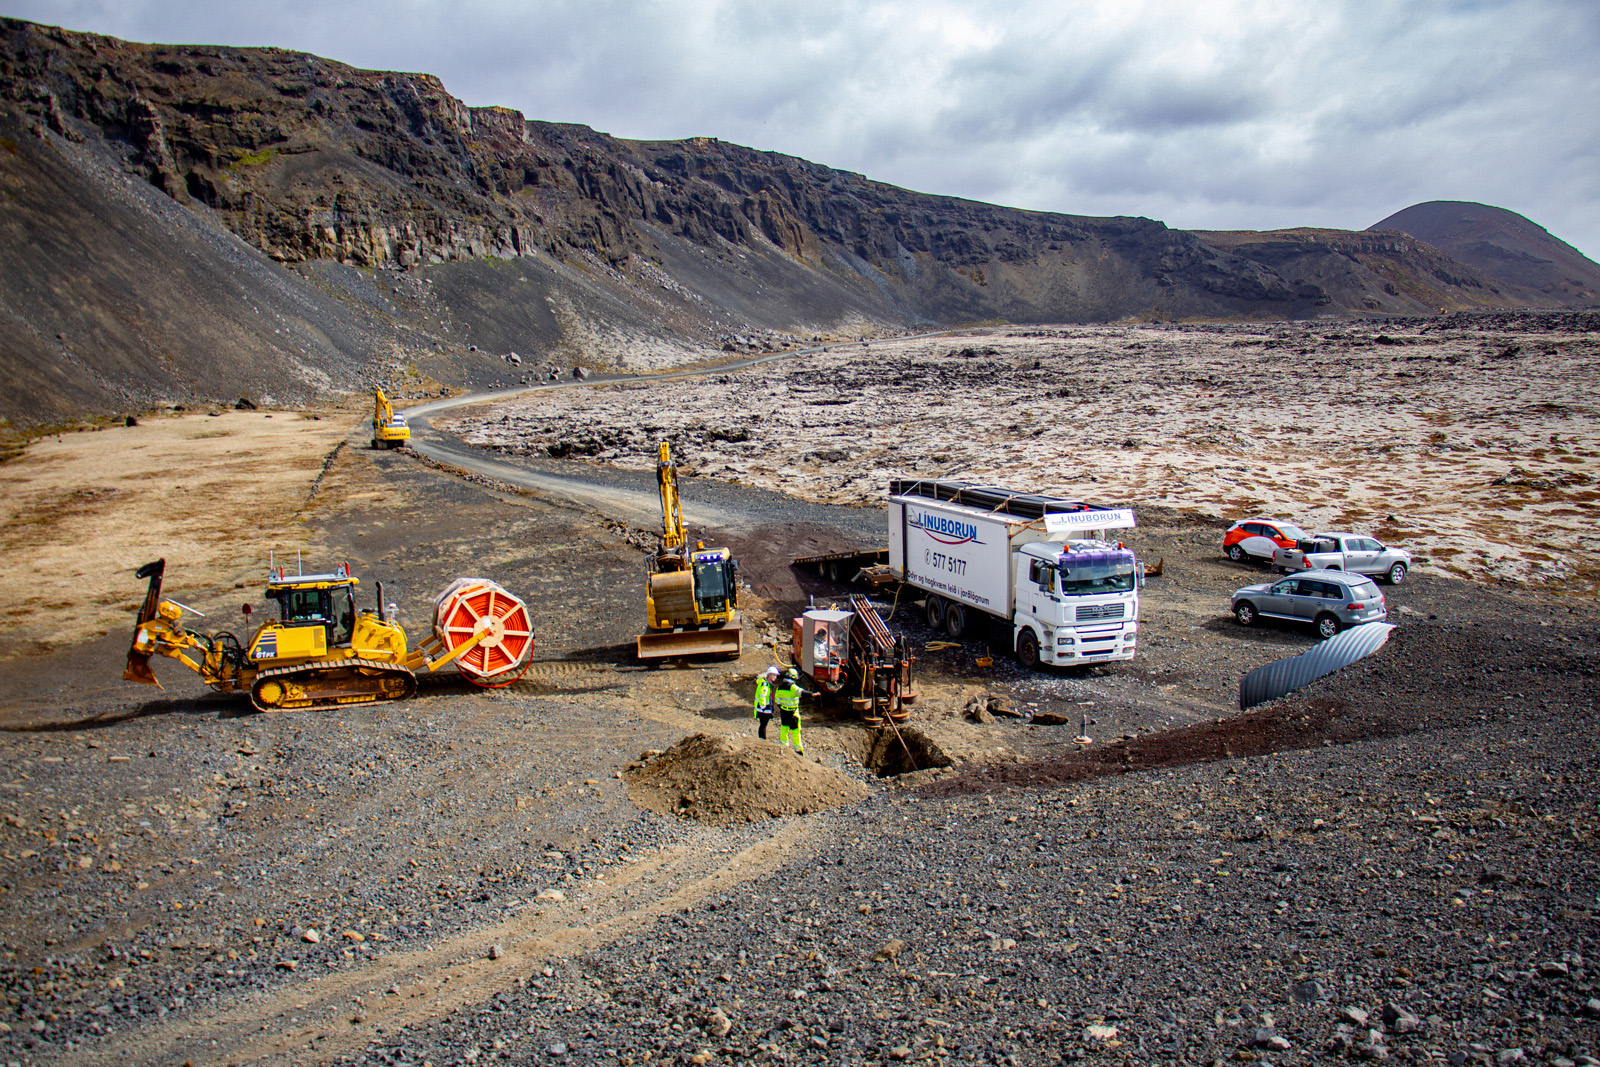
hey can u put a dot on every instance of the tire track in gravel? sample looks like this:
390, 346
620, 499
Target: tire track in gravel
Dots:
434, 981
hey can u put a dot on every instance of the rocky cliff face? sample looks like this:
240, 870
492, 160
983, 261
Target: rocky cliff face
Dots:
310, 159
531, 236
1383, 271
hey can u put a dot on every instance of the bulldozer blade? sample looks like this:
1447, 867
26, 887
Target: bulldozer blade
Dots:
725, 641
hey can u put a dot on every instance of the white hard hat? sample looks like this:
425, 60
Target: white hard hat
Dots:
772, 672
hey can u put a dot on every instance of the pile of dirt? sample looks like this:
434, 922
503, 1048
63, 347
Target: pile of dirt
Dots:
728, 780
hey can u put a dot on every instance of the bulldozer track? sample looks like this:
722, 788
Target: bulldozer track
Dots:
351, 681
565, 670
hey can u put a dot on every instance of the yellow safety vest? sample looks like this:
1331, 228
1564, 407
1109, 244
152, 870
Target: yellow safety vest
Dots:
788, 697
763, 695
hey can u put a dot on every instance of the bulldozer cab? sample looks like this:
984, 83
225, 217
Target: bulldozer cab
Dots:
322, 600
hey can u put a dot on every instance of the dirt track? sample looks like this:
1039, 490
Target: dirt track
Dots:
164, 856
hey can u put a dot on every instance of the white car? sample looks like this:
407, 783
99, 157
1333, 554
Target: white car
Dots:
1259, 538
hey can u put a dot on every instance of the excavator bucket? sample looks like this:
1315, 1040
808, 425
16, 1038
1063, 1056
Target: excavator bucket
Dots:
138, 668
723, 640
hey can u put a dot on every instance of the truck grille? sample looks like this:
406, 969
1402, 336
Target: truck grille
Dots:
1100, 611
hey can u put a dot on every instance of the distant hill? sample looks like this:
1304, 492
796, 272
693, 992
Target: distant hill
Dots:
1378, 273
1522, 256
194, 222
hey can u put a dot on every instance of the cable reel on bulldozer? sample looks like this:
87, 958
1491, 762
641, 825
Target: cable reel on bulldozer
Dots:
324, 652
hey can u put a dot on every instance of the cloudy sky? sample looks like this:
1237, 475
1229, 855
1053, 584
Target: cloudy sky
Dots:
1246, 114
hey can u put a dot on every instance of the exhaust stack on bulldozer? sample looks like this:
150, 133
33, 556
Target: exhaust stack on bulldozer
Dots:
322, 651
691, 597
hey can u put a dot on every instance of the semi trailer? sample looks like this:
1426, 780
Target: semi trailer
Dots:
1046, 570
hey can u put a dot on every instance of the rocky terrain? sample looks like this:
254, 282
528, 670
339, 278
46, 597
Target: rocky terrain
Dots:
1395, 863
215, 252
203, 222
1429, 433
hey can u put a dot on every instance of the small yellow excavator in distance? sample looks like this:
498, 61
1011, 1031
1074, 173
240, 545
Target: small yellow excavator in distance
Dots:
323, 652
691, 596
389, 429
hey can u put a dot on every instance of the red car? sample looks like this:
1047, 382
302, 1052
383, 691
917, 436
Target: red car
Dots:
1257, 538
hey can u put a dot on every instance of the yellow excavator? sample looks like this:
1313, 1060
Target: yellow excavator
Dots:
322, 651
691, 596
389, 429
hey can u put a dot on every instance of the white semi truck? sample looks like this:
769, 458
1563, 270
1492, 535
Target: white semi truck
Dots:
1047, 569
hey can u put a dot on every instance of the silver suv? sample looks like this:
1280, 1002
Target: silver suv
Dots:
1328, 600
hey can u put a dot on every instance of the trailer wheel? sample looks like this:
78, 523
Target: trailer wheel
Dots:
955, 620
833, 571
933, 611
1028, 649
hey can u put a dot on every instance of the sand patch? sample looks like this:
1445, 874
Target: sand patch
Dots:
728, 780
213, 494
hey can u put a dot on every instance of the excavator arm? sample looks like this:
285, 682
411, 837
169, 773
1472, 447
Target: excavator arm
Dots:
673, 534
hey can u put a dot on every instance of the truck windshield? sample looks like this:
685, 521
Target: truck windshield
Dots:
1097, 578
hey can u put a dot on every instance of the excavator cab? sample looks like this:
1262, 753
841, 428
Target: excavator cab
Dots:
716, 582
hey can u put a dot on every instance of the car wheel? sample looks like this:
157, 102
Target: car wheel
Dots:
1397, 574
1245, 612
955, 620
1236, 553
1028, 649
933, 611
1327, 626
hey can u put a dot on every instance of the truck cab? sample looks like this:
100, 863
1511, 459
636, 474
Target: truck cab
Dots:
1077, 601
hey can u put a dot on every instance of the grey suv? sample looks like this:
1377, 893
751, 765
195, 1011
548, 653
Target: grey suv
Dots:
1328, 600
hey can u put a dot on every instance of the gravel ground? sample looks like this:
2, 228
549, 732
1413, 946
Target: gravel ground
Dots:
1431, 897
463, 877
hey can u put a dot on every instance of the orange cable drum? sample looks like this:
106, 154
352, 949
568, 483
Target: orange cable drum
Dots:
469, 606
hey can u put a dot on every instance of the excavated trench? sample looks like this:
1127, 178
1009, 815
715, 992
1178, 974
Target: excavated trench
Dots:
891, 752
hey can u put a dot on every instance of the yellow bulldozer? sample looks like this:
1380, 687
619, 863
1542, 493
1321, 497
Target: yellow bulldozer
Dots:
322, 651
389, 429
691, 596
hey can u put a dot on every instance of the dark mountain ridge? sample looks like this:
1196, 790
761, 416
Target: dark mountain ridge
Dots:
1523, 256
404, 230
